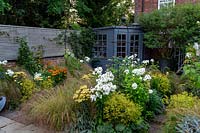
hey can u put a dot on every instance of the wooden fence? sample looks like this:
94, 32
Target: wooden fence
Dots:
36, 37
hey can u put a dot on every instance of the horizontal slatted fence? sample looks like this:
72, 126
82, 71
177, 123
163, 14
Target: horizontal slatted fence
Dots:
35, 37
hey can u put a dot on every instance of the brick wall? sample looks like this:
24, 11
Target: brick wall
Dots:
145, 6
49, 60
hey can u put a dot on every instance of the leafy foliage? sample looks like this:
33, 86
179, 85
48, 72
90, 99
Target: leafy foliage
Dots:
82, 43
118, 109
161, 83
4, 5
191, 75
27, 87
155, 104
178, 25
26, 58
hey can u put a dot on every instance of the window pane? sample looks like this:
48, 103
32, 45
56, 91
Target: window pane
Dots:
123, 37
136, 37
100, 37
118, 37
104, 37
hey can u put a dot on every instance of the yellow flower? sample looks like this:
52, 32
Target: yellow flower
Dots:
82, 94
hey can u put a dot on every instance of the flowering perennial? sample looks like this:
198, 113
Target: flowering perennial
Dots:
97, 71
188, 55
134, 86
3, 62
145, 62
87, 59
147, 77
104, 85
38, 76
139, 71
10, 72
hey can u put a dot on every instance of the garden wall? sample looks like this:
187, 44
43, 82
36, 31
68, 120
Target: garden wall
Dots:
35, 37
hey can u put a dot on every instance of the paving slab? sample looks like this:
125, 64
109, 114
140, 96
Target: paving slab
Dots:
10, 126
5, 121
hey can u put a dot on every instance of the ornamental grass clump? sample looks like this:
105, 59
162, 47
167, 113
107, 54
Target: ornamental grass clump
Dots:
54, 109
119, 109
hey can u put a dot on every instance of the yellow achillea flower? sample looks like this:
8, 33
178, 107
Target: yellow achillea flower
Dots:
86, 77
82, 94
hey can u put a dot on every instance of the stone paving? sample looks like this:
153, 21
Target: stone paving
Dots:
10, 126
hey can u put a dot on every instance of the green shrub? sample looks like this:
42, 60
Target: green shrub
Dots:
161, 83
72, 62
27, 87
178, 26
155, 104
82, 43
54, 108
46, 84
191, 76
26, 58
188, 124
118, 109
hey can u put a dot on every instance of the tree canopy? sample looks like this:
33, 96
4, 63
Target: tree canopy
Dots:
62, 13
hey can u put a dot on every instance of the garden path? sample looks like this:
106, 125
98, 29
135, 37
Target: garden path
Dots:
11, 126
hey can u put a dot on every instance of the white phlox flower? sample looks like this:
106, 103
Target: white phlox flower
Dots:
81, 61
138, 71
134, 86
145, 62
152, 60
188, 55
98, 71
3, 62
38, 76
126, 71
87, 59
147, 77
104, 85
10, 72
150, 91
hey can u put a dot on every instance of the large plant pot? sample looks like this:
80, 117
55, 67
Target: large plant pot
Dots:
2, 102
165, 64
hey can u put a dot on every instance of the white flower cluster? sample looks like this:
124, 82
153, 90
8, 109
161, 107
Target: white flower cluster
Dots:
138, 71
38, 76
150, 91
10, 72
147, 77
69, 53
196, 47
152, 60
98, 71
126, 71
134, 86
87, 59
3, 62
188, 55
104, 85
132, 57
145, 62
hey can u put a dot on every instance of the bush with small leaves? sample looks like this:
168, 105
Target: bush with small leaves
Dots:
119, 109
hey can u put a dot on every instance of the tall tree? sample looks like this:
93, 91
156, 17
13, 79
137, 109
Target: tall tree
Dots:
96, 13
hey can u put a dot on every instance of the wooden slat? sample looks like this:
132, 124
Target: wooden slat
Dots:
34, 36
